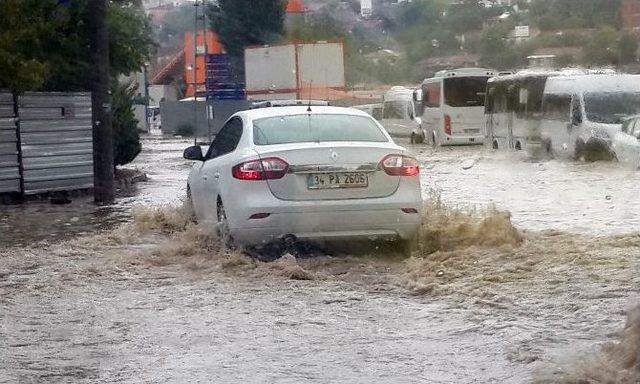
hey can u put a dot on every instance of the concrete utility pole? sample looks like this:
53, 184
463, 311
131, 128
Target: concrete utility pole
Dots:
101, 104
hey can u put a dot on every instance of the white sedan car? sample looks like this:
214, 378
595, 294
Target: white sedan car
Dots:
305, 173
626, 143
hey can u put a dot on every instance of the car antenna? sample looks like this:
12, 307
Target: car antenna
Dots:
310, 90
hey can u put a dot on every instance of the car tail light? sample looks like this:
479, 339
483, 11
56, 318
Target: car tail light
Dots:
447, 124
410, 210
265, 169
399, 165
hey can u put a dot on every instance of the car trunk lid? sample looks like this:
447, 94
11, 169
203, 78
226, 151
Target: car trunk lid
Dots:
330, 171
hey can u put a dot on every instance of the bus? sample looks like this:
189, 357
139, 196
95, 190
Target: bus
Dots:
453, 106
567, 113
513, 109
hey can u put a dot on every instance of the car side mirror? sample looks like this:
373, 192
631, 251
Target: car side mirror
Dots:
193, 153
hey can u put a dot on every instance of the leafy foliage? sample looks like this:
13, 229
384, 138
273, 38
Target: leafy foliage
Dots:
568, 14
45, 46
126, 145
241, 23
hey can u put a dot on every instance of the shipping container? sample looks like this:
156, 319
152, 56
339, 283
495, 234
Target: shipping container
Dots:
289, 71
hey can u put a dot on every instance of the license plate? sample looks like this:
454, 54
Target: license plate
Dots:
337, 180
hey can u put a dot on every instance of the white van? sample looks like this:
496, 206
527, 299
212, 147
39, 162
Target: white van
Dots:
582, 114
400, 116
453, 106
374, 110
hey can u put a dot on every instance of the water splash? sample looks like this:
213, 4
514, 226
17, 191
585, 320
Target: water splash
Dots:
617, 362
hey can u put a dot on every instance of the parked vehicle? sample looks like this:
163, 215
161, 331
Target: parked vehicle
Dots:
569, 113
626, 143
453, 106
583, 113
400, 116
374, 110
513, 110
305, 173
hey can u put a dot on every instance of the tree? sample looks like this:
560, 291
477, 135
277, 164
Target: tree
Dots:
241, 23
170, 31
567, 14
465, 16
125, 125
45, 46
23, 23
602, 47
628, 48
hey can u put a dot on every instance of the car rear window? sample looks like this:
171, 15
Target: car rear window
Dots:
310, 128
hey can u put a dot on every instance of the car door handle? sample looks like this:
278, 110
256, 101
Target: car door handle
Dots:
217, 175
205, 177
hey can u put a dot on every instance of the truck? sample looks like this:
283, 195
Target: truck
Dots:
295, 71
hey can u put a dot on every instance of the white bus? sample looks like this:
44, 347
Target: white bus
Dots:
569, 113
453, 106
513, 109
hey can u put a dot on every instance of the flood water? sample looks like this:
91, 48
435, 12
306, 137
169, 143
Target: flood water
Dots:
86, 298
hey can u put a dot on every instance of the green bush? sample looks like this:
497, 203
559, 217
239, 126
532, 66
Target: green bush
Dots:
126, 138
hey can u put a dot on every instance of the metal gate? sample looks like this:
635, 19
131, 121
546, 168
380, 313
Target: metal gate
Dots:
9, 162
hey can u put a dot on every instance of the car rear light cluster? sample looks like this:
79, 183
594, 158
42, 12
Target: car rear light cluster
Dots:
264, 169
400, 165
447, 124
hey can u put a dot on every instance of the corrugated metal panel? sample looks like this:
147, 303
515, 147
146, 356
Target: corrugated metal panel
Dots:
321, 65
57, 144
9, 167
271, 68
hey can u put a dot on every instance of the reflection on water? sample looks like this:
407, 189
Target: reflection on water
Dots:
585, 198
41, 221
161, 159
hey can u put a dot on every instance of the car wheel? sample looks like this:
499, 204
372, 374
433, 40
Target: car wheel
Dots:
434, 143
189, 210
413, 138
223, 227
420, 139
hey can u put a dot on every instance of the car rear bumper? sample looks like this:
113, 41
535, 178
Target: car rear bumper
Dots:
330, 223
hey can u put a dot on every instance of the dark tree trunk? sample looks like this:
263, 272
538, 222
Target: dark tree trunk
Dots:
101, 103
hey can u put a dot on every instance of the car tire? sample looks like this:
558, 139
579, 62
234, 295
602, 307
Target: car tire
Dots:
413, 138
224, 232
434, 142
189, 210
420, 139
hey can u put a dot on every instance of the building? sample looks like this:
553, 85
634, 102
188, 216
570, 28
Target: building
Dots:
295, 12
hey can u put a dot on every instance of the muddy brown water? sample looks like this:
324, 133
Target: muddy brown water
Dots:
104, 300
